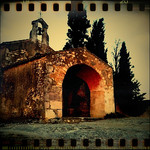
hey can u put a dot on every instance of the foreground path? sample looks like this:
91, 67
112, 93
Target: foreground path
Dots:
116, 129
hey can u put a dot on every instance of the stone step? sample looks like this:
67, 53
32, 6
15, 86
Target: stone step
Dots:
78, 119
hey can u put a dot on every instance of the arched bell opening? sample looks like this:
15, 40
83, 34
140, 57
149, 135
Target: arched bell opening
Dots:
39, 32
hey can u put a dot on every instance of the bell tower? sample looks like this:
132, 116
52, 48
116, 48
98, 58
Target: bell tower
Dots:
39, 31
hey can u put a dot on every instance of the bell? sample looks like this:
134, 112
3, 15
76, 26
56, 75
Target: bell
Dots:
39, 31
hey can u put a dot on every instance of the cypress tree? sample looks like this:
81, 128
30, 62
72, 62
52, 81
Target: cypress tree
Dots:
96, 42
125, 76
128, 89
77, 34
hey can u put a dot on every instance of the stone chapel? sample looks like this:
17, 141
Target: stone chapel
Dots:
38, 82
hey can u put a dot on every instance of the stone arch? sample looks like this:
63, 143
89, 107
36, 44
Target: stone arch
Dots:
100, 93
80, 85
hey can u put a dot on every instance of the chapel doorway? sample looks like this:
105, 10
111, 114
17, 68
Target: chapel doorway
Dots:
76, 96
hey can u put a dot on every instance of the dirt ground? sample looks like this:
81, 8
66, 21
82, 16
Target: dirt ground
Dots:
122, 128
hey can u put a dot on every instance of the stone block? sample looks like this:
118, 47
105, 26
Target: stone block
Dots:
47, 105
59, 113
46, 97
54, 95
56, 89
49, 114
49, 68
56, 105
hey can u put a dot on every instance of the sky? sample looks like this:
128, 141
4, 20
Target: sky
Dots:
129, 26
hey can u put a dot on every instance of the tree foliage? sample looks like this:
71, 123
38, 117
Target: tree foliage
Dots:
77, 34
127, 89
96, 42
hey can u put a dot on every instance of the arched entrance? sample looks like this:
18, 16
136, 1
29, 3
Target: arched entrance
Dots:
79, 82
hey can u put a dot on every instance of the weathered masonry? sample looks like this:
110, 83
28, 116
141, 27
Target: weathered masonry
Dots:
38, 82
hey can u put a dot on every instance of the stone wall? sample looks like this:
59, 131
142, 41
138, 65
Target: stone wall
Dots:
22, 51
23, 94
